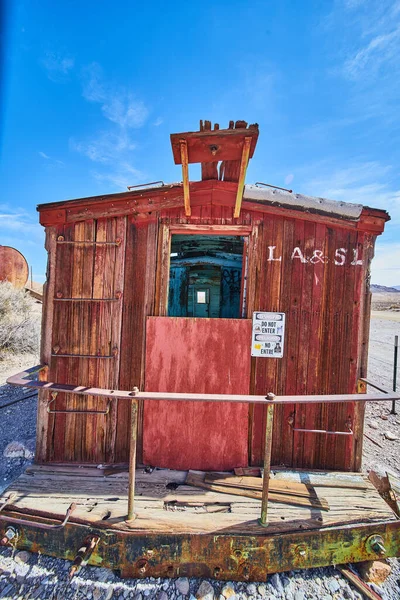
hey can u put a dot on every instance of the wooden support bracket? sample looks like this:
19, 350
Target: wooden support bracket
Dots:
185, 176
242, 175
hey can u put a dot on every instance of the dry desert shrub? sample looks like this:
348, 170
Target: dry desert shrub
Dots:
19, 321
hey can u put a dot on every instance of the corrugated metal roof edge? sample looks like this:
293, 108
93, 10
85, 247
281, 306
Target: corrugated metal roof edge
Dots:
344, 210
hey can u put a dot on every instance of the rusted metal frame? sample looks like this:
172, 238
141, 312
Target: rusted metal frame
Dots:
10, 499
185, 176
325, 431
358, 582
376, 386
76, 412
39, 524
19, 379
57, 355
242, 175
267, 459
84, 553
132, 460
87, 299
223, 555
142, 185
88, 243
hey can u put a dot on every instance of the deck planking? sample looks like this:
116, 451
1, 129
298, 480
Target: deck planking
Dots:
47, 491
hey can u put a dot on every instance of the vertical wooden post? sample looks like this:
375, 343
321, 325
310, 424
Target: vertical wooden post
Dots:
242, 175
185, 176
267, 459
396, 350
132, 460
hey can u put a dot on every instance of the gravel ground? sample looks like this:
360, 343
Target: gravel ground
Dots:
28, 576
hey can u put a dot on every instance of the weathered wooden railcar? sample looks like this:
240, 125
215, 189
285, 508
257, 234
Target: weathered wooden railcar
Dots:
154, 290
120, 313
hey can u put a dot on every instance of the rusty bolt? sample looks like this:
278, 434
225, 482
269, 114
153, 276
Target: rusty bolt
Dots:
60, 238
118, 295
170, 571
246, 572
375, 543
59, 295
270, 396
217, 572
9, 535
301, 550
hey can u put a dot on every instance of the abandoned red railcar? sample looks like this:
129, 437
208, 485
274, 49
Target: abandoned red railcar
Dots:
179, 321
143, 291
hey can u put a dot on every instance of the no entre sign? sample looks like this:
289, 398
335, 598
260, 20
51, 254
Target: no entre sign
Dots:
268, 334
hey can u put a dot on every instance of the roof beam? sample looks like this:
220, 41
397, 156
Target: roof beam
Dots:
185, 176
242, 175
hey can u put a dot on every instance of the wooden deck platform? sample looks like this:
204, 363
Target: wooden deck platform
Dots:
198, 530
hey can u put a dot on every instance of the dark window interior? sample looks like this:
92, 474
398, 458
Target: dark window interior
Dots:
205, 276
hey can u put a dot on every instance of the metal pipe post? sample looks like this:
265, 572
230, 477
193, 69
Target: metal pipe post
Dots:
132, 460
267, 460
396, 349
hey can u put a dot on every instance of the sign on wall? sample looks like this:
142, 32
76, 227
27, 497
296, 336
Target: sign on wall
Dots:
268, 334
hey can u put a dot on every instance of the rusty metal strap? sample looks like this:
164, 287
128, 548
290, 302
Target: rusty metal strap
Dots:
86, 299
10, 499
20, 379
28, 523
350, 432
60, 240
73, 411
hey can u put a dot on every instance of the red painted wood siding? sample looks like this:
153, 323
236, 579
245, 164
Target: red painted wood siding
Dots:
324, 305
202, 356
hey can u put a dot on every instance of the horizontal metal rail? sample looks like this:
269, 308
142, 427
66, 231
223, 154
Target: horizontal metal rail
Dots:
325, 431
60, 240
20, 379
86, 299
57, 355
269, 399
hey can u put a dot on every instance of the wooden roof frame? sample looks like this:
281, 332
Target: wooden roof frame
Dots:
211, 146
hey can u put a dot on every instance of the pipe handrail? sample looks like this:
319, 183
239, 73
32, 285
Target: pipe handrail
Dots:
269, 399
20, 380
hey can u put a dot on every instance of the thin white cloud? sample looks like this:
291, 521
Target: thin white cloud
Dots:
19, 223
118, 104
159, 121
370, 184
106, 146
50, 159
57, 67
385, 267
365, 183
381, 50
112, 147
289, 178
123, 176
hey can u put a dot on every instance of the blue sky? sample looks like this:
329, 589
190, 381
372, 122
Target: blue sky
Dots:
93, 89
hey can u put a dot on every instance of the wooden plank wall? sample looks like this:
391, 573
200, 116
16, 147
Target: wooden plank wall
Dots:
322, 302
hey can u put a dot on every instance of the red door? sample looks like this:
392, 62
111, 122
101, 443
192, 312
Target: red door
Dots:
210, 356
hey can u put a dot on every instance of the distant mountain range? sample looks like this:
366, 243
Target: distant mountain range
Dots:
383, 288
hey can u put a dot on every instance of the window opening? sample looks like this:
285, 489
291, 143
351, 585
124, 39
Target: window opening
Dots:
205, 276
